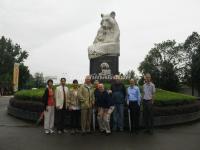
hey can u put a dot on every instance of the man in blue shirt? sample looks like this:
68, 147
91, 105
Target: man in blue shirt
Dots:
133, 101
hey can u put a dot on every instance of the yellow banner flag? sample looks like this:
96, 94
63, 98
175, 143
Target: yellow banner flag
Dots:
15, 77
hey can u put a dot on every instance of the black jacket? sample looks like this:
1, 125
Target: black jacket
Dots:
118, 93
103, 99
45, 98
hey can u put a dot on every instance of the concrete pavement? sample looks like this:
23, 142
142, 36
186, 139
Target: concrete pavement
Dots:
16, 134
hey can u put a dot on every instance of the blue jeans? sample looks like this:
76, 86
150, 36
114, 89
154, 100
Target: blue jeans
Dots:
118, 117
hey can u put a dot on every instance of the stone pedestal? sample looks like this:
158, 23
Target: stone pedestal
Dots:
104, 67
105, 51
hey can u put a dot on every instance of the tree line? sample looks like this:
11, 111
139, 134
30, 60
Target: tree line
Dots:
11, 53
172, 64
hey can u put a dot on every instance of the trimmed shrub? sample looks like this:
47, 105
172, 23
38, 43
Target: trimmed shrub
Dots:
162, 98
30, 95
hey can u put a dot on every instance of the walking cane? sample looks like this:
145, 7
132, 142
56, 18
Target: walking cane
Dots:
93, 119
129, 119
40, 118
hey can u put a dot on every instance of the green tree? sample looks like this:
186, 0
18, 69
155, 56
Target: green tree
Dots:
164, 62
39, 80
168, 78
24, 76
30, 83
191, 48
196, 69
130, 74
10, 54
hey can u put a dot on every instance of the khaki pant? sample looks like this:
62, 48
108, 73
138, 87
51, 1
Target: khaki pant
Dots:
100, 119
86, 115
103, 118
49, 118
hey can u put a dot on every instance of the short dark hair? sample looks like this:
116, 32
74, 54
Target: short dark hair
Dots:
63, 79
75, 81
50, 80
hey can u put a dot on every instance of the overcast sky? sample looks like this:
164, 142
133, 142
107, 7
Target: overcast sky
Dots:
57, 33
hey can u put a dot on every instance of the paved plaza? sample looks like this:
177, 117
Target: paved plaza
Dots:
17, 134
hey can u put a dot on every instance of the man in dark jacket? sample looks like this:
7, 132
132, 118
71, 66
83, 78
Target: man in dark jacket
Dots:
118, 91
105, 108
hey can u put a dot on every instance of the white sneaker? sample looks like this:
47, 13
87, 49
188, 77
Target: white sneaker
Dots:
51, 131
108, 133
46, 131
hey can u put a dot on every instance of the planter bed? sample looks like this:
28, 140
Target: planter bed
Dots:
169, 115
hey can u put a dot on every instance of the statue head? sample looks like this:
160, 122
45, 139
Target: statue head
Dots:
108, 20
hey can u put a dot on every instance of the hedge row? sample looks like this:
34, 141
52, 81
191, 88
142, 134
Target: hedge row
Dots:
30, 95
162, 97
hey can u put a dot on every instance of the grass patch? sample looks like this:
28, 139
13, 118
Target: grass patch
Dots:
164, 97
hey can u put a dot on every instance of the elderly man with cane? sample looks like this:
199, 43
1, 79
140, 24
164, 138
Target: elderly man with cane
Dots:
133, 102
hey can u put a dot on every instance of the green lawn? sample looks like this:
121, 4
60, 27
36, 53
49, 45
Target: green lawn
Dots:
163, 97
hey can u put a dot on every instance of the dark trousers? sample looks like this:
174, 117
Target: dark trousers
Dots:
75, 119
148, 114
61, 119
118, 117
135, 115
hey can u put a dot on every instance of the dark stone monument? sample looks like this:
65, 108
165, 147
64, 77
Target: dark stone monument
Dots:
97, 65
105, 51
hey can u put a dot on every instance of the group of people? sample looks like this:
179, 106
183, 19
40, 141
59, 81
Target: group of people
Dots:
81, 102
